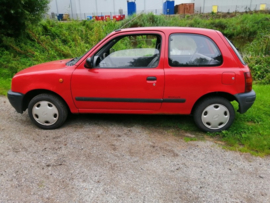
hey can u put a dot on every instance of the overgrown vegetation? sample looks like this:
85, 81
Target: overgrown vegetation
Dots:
15, 14
52, 40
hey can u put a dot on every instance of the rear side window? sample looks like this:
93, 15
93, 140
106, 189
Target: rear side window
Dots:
186, 50
236, 51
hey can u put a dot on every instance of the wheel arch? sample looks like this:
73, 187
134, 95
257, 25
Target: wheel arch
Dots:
225, 95
31, 94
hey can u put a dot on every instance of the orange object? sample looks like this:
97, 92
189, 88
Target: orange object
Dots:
184, 9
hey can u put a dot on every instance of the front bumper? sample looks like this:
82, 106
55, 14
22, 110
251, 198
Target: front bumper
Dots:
16, 100
245, 100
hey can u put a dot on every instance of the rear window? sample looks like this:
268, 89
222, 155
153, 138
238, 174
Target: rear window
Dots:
189, 50
236, 51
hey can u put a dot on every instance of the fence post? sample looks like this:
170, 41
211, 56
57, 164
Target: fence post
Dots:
203, 5
96, 8
71, 9
56, 7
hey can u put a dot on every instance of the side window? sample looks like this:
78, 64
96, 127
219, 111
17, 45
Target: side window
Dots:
130, 51
186, 50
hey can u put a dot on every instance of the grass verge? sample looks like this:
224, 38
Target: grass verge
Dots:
249, 133
4, 85
52, 40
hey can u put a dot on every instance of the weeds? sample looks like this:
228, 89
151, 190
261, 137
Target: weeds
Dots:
52, 40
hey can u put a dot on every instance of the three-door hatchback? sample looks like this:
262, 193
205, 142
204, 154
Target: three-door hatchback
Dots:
153, 70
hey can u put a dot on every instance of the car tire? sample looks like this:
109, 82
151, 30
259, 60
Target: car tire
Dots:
214, 114
47, 111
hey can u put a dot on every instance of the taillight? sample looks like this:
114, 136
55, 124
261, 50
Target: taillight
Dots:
248, 81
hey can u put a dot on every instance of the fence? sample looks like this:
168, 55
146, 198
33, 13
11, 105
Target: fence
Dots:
231, 8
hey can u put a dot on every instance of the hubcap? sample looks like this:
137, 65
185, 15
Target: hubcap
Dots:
45, 113
215, 116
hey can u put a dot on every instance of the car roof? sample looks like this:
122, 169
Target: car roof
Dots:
168, 29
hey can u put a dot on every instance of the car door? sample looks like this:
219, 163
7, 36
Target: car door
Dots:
127, 74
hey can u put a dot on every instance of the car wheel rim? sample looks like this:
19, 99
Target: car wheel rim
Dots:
215, 116
45, 113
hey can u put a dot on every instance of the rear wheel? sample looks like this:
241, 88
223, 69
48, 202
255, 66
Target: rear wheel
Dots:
214, 114
47, 111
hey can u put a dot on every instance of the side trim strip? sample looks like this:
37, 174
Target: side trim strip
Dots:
96, 99
174, 100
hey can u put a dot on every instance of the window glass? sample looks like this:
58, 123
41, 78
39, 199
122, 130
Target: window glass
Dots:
236, 51
132, 51
193, 50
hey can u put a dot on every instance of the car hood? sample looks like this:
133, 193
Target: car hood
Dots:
53, 65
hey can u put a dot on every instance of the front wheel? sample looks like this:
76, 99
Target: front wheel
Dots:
214, 114
47, 111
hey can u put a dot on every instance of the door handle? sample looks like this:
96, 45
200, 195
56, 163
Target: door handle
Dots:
151, 78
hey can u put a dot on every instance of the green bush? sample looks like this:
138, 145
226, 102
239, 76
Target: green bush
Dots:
15, 14
52, 40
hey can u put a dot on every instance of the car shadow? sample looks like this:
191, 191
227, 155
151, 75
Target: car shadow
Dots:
182, 122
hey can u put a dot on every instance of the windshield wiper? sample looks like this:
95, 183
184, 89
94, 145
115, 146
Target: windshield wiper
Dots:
72, 60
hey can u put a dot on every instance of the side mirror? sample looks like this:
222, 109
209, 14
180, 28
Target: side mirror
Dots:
88, 63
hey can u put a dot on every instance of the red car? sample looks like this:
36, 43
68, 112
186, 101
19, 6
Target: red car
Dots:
154, 70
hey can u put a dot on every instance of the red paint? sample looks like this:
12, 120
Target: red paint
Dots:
99, 18
117, 17
107, 17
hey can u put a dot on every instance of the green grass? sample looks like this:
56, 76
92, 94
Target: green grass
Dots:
189, 139
251, 131
52, 40
4, 85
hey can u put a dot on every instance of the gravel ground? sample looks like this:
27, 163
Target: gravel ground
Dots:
102, 160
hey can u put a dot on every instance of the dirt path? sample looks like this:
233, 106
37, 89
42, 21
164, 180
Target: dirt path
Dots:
102, 160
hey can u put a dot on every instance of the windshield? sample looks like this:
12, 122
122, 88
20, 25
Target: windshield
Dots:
73, 61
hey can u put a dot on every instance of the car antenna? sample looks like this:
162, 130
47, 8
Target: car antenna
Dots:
130, 21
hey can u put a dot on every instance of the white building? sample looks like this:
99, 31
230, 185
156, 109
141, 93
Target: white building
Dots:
80, 9
207, 6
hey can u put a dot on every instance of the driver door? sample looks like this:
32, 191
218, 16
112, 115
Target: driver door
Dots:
127, 74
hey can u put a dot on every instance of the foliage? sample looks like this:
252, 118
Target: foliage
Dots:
16, 13
52, 40
260, 66
251, 131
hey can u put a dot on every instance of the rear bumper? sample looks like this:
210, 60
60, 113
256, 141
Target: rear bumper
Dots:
16, 100
245, 100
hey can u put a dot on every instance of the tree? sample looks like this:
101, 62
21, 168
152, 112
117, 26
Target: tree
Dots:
15, 14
